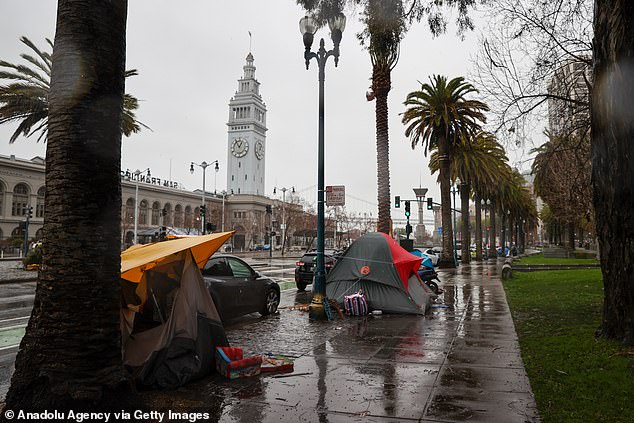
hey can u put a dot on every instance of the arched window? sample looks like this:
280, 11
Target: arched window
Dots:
17, 232
188, 217
39, 209
20, 200
2, 189
156, 212
178, 216
167, 219
143, 212
129, 212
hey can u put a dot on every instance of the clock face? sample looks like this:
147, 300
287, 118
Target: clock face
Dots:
239, 147
259, 150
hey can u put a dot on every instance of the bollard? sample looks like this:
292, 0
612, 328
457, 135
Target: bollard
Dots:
507, 271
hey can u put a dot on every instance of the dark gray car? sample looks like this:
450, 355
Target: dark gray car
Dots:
237, 289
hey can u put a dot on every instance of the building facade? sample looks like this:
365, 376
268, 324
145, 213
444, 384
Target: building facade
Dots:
161, 203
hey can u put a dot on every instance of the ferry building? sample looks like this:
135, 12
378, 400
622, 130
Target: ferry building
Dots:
165, 203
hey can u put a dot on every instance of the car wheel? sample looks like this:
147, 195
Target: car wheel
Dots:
301, 285
272, 301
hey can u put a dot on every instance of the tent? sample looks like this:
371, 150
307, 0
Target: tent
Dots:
169, 323
386, 273
426, 260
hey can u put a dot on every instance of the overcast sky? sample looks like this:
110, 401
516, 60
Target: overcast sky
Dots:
189, 58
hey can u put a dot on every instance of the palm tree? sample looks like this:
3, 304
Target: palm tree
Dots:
26, 99
70, 356
477, 164
439, 115
384, 29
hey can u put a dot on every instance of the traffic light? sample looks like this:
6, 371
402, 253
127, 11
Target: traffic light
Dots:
397, 201
407, 209
430, 203
269, 210
203, 210
29, 212
408, 229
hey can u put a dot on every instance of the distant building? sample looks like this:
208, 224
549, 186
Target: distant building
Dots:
568, 108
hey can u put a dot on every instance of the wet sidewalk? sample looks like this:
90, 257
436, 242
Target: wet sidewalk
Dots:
462, 363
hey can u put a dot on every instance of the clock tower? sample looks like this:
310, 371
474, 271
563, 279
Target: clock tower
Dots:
246, 136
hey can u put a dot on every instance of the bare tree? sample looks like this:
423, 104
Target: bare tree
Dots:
528, 44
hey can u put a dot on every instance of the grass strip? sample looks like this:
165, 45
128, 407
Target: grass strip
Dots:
575, 377
540, 259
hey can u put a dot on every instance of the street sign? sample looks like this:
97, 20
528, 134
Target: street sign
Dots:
336, 195
440, 230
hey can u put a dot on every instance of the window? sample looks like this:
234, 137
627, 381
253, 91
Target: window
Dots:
167, 219
178, 216
245, 177
20, 200
129, 211
217, 267
143, 212
239, 269
39, 208
231, 177
239, 164
155, 213
1, 199
189, 221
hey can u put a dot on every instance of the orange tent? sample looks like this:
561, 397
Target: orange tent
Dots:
138, 258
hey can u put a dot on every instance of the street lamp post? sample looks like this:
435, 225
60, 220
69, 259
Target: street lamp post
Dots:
308, 27
224, 194
454, 190
137, 173
284, 189
204, 165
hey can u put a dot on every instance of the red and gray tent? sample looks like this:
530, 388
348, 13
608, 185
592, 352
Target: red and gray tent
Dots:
386, 273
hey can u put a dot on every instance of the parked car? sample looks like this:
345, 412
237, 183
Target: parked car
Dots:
306, 265
431, 253
237, 289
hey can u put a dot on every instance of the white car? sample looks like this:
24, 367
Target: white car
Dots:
428, 252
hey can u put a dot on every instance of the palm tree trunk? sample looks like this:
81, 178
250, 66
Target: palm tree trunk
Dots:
612, 153
70, 355
465, 187
493, 241
381, 85
447, 256
478, 227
